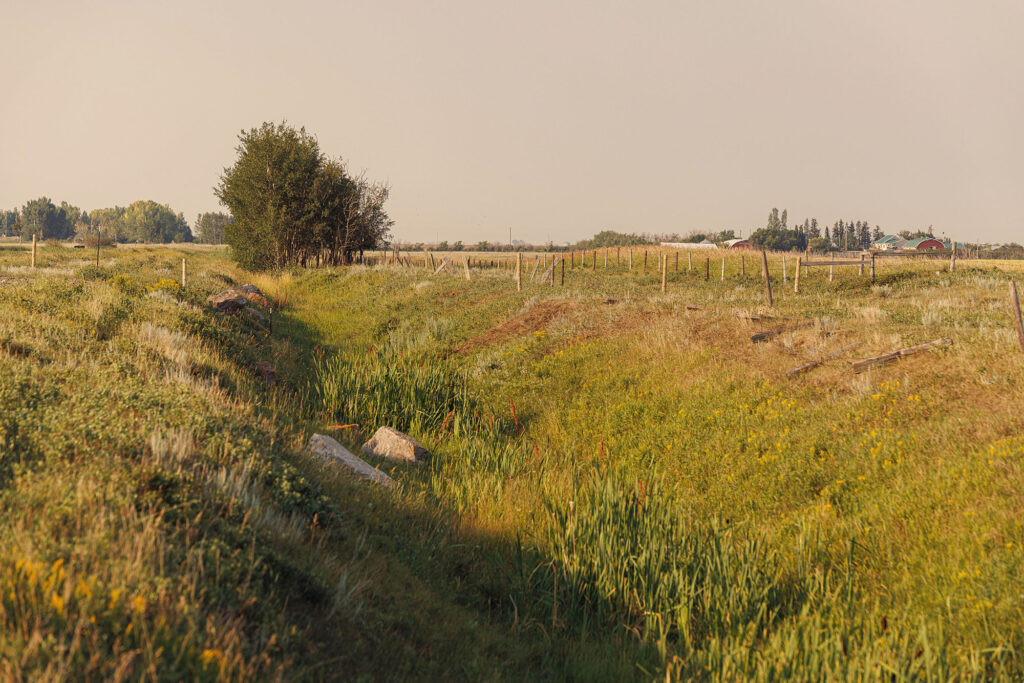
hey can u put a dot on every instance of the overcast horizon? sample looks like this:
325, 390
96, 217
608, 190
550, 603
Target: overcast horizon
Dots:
554, 120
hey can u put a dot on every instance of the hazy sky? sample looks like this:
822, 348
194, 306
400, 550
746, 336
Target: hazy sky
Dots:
554, 119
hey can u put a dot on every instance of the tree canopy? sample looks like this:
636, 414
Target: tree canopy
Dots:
141, 221
210, 227
778, 239
290, 203
40, 217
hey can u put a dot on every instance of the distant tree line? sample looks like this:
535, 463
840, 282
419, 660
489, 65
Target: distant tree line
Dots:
840, 236
141, 221
291, 205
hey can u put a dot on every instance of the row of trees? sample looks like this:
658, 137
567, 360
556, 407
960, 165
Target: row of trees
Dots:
840, 236
292, 205
141, 221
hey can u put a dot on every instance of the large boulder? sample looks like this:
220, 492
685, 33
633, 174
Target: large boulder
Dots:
228, 301
391, 444
236, 298
330, 450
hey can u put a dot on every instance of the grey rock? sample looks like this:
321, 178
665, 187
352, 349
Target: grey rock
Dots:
251, 289
391, 444
330, 450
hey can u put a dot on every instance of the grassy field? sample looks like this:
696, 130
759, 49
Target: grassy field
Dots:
623, 486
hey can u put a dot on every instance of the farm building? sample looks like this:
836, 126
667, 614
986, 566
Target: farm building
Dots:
923, 243
888, 242
736, 244
706, 244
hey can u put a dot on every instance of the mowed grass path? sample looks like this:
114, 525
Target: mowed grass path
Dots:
623, 483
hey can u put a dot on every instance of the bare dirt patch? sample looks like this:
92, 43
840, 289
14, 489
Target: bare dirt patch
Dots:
537, 318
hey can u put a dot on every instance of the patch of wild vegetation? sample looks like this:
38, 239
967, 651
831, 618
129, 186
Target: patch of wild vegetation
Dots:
622, 487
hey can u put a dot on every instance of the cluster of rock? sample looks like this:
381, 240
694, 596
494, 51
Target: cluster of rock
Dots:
235, 299
387, 443
248, 298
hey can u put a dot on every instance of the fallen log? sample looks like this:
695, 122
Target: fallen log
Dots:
824, 359
862, 365
764, 336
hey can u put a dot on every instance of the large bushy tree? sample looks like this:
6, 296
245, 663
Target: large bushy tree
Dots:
40, 217
291, 204
141, 221
779, 239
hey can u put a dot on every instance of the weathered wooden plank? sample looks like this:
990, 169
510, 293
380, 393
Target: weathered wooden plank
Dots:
864, 364
764, 336
823, 359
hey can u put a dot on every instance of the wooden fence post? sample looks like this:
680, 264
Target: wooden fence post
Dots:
767, 279
97, 251
707, 269
465, 264
1015, 309
796, 278
606, 257
563, 273
631, 258
723, 269
664, 273
595, 259
677, 262
862, 264
689, 261
830, 266
952, 259
184, 274
645, 260
872, 268
743, 265
519, 271
783, 269
34, 250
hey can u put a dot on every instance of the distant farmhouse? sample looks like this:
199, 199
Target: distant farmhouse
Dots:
897, 243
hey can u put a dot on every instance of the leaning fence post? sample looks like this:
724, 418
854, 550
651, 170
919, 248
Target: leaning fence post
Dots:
796, 278
767, 280
1015, 309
